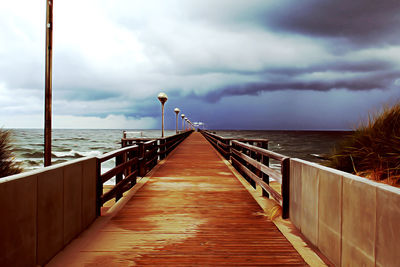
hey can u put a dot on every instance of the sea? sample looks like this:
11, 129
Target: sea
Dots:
69, 144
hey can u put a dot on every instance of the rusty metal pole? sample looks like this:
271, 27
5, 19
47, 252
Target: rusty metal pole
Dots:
48, 82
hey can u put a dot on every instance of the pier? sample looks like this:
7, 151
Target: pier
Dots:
195, 199
192, 210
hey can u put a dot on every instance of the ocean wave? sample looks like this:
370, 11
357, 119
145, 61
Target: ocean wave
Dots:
71, 139
35, 154
32, 162
61, 154
61, 148
75, 154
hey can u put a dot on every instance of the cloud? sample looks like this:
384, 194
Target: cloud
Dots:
365, 23
112, 58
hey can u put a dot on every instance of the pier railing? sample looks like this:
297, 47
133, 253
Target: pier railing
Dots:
136, 158
251, 158
125, 172
223, 144
253, 162
220, 143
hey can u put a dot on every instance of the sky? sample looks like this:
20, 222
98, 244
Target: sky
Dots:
232, 64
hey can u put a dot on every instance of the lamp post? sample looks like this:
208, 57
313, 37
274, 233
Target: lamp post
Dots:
183, 122
177, 110
48, 83
163, 98
186, 124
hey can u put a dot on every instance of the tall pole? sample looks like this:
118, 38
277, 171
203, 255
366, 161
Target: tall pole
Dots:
162, 124
48, 82
177, 110
183, 122
163, 98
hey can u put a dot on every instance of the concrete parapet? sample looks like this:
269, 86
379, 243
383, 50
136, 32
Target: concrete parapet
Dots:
329, 214
88, 192
43, 210
295, 193
356, 220
50, 213
359, 222
18, 221
387, 243
309, 207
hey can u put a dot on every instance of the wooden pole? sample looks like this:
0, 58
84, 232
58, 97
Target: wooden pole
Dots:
48, 82
285, 189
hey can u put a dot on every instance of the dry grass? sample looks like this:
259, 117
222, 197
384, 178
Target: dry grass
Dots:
373, 151
7, 164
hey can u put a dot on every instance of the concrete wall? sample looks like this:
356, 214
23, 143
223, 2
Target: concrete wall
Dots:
43, 210
352, 220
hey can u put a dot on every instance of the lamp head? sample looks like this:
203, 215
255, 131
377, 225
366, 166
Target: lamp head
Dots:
162, 97
177, 110
183, 116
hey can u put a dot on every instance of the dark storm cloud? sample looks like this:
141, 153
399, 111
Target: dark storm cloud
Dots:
362, 66
362, 22
201, 52
378, 80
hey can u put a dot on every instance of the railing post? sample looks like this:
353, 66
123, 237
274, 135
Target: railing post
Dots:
132, 168
228, 143
118, 177
99, 187
154, 154
142, 160
253, 155
162, 148
265, 161
285, 169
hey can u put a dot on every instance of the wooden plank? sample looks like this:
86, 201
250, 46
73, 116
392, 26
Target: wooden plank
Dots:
265, 169
192, 211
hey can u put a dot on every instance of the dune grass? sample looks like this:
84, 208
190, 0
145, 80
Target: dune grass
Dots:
373, 150
8, 166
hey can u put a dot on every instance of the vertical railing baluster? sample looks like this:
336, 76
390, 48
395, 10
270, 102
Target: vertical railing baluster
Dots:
265, 161
119, 176
99, 188
285, 189
142, 160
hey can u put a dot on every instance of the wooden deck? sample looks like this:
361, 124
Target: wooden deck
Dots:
193, 212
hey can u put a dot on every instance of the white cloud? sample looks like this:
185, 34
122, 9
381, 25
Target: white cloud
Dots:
114, 56
109, 122
77, 122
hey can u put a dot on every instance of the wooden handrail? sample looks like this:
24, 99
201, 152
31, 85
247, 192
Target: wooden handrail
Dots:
116, 153
258, 180
263, 152
253, 163
258, 165
136, 157
118, 169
